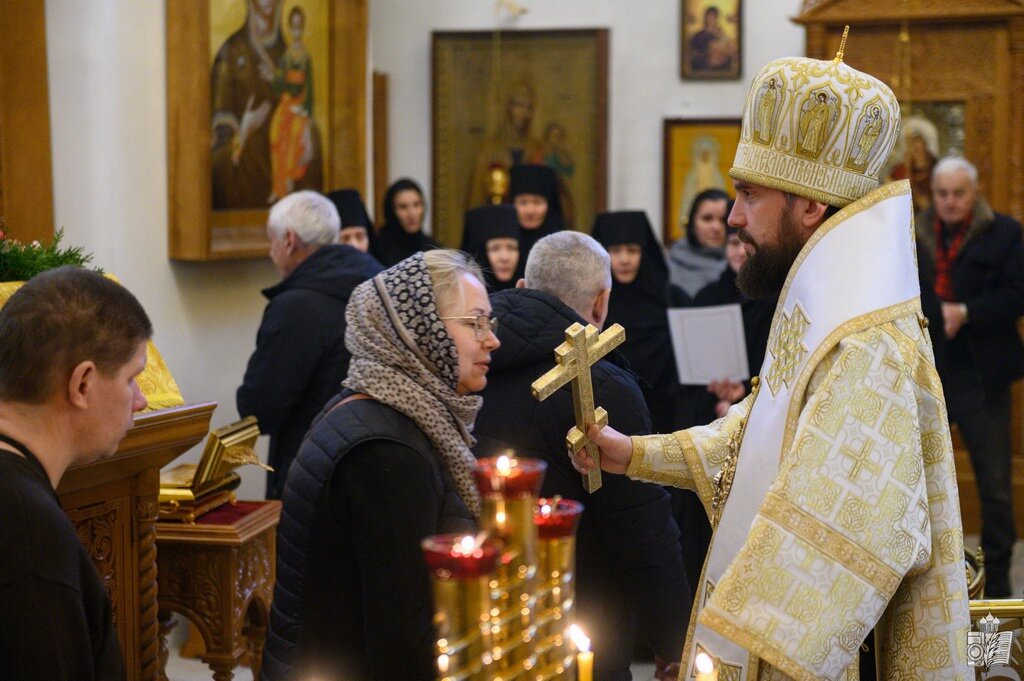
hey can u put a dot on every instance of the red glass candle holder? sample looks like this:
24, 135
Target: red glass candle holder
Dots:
509, 477
556, 518
453, 556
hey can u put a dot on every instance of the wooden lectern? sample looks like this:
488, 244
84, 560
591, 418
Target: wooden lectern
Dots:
113, 504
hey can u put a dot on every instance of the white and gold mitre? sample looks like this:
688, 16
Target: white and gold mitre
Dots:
818, 129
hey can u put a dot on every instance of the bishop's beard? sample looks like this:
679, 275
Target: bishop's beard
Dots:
764, 273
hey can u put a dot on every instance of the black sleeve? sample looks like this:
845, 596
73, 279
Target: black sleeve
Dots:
44, 632
391, 504
1004, 303
287, 350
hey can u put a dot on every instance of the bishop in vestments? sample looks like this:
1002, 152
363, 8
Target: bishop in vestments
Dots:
831, 486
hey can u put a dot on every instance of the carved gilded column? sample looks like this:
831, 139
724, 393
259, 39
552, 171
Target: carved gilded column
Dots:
1016, 141
149, 643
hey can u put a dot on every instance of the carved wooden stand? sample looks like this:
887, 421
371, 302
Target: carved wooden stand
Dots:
113, 505
219, 573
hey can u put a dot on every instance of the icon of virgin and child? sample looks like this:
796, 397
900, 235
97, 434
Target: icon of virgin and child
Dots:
265, 139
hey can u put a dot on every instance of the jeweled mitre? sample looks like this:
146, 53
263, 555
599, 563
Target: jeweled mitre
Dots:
818, 129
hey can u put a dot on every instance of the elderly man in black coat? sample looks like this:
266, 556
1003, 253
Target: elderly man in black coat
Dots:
300, 357
978, 262
631, 587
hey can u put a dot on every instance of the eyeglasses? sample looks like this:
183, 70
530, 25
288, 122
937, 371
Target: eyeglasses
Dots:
482, 325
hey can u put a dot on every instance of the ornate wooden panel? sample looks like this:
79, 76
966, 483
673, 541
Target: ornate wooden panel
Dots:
113, 504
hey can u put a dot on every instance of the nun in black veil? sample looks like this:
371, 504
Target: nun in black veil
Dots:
356, 224
402, 234
641, 296
534, 193
491, 236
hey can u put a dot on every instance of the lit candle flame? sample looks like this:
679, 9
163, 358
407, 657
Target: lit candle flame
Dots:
504, 465
442, 664
704, 663
465, 546
579, 639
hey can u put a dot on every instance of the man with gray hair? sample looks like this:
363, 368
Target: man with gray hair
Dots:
978, 261
631, 587
300, 356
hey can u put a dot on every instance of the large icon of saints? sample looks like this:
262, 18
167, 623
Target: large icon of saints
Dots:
266, 141
514, 143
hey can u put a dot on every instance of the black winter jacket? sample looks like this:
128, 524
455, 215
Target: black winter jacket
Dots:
628, 558
352, 598
300, 358
988, 276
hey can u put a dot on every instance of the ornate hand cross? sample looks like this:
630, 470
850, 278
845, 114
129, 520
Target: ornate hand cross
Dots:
582, 348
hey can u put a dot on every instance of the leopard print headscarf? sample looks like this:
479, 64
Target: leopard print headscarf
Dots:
404, 357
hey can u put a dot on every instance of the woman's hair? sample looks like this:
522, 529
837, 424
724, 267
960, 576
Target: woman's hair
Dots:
706, 195
445, 265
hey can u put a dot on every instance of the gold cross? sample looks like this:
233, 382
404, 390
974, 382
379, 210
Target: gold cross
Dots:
582, 348
942, 600
861, 459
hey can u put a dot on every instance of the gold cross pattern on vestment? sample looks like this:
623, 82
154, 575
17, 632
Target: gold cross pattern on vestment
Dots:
582, 348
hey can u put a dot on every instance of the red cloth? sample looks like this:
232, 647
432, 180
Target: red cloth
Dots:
945, 256
229, 514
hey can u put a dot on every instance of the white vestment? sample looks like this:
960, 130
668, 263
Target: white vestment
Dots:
843, 514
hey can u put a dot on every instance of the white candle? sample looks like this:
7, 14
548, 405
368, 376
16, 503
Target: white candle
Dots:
584, 658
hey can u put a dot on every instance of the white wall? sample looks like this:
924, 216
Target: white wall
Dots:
645, 87
106, 63
108, 116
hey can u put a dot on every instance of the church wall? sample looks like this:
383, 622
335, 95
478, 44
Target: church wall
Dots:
108, 120
644, 86
108, 116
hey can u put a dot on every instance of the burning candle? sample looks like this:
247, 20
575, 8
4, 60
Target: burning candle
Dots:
556, 518
508, 477
705, 666
452, 556
584, 657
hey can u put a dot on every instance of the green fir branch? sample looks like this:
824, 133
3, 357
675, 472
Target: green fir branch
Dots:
20, 261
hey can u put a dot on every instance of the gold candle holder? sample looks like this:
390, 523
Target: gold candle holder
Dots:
460, 571
556, 521
508, 488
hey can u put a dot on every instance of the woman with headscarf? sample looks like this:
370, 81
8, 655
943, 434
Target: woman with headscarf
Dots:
534, 194
401, 235
386, 464
698, 260
492, 238
356, 224
639, 301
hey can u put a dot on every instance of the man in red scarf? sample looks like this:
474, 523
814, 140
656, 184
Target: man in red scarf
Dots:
979, 277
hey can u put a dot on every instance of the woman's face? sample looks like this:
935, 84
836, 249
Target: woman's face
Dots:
625, 262
531, 210
503, 256
355, 237
474, 354
409, 210
735, 254
709, 223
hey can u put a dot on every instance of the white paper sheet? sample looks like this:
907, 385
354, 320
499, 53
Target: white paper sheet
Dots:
709, 344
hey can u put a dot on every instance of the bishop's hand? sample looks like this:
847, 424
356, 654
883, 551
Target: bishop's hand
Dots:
616, 450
